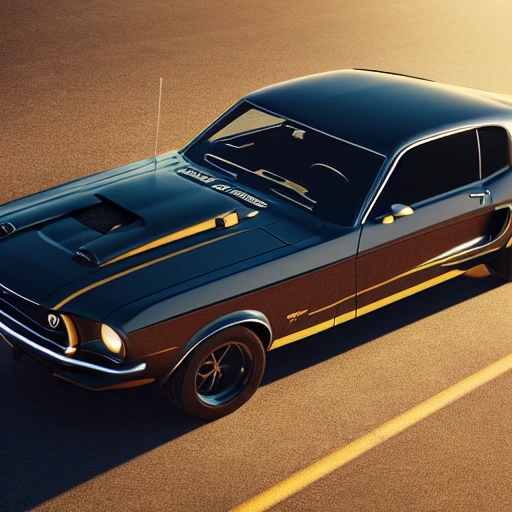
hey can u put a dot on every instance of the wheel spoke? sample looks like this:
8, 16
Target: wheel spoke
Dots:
213, 376
214, 361
224, 354
206, 375
223, 373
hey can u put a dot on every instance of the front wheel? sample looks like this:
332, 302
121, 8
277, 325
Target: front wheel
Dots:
220, 375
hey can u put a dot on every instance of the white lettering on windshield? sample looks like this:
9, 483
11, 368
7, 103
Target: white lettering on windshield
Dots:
221, 187
199, 176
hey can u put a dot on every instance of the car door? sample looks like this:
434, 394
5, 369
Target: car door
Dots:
434, 213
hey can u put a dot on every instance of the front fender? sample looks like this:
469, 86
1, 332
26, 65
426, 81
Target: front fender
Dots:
254, 320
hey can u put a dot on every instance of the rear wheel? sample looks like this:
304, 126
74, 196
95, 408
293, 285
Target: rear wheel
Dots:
220, 375
501, 265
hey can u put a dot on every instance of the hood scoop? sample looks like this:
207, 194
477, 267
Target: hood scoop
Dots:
105, 216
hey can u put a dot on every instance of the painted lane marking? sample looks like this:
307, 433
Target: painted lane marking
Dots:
391, 428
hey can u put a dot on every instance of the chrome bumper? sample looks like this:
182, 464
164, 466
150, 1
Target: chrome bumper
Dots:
51, 357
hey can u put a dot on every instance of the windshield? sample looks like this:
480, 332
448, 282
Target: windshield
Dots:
327, 176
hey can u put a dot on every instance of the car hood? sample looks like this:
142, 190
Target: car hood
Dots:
147, 228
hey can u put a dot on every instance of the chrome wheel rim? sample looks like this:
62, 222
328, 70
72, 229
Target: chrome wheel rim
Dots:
223, 374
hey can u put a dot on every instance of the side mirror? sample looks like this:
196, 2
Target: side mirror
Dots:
397, 210
401, 210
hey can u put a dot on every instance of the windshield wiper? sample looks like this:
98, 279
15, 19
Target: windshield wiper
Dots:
273, 182
221, 164
281, 193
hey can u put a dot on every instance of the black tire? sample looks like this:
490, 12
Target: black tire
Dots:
218, 376
501, 264
508, 264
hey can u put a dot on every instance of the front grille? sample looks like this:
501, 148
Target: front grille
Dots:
104, 217
32, 320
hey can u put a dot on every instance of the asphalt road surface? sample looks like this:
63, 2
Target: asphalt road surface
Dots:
79, 94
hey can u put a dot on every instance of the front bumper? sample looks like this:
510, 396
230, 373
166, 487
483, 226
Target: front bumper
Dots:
32, 329
83, 373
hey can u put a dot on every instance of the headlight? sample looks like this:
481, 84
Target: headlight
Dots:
72, 335
112, 340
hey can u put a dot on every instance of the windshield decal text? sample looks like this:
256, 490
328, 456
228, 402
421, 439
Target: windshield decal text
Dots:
196, 175
247, 197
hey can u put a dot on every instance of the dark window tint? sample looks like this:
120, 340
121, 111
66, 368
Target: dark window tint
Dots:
301, 166
494, 149
431, 169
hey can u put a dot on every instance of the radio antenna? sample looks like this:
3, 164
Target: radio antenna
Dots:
158, 120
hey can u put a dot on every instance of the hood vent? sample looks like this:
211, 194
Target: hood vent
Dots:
6, 228
104, 217
86, 257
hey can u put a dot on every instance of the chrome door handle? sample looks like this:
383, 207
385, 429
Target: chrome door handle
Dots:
483, 196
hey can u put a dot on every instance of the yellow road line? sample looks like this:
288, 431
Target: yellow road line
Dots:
343, 456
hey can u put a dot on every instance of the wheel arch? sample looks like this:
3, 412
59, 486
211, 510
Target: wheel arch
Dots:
252, 319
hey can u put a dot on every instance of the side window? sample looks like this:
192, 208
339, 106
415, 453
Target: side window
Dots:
494, 149
431, 169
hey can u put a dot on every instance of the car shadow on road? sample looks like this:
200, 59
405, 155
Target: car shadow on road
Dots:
54, 436
307, 353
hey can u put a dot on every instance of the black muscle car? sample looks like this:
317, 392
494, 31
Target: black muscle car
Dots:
306, 204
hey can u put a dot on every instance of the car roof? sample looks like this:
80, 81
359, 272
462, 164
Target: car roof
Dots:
376, 110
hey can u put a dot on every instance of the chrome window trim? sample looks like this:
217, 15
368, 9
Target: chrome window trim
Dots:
505, 128
479, 154
315, 129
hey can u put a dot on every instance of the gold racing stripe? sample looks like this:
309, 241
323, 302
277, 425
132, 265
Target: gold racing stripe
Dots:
227, 220
423, 266
139, 267
173, 237
302, 334
337, 303
290, 338
409, 291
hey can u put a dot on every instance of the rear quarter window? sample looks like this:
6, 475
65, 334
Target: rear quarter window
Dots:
494, 149
431, 169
